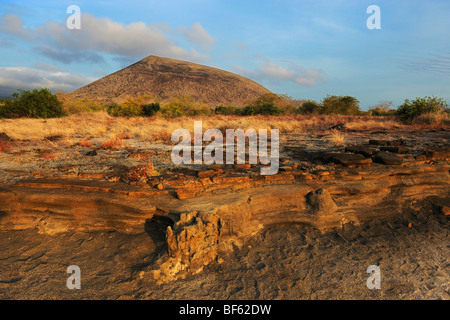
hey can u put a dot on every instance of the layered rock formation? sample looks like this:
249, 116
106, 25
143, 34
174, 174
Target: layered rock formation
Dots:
207, 211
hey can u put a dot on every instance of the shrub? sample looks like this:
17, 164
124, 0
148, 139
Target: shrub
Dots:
226, 110
345, 105
149, 110
82, 105
383, 108
410, 110
32, 104
432, 118
184, 107
134, 107
309, 107
264, 105
124, 110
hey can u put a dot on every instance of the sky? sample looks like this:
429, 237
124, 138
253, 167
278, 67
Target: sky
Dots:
305, 49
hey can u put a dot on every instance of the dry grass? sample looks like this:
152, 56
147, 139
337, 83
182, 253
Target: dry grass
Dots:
436, 118
82, 128
337, 138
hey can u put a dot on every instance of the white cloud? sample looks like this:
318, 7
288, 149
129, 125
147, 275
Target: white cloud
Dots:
198, 35
103, 35
272, 70
12, 78
294, 73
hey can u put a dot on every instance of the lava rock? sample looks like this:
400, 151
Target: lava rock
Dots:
402, 150
347, 159
388, 158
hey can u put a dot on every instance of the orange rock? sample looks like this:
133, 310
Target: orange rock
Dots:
185, 194
446, 210
242, 166
215, 167
91, 175
206, 174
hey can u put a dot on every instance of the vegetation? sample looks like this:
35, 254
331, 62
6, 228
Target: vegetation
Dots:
133, 107
411, 110
309, 107
345, 105
180, 107
383, 108
43, 104
32, 104
226, 110
149, 110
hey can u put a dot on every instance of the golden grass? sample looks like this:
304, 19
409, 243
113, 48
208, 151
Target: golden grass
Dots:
80, 128
337, 138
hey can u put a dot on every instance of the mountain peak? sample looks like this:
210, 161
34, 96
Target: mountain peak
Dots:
165, 78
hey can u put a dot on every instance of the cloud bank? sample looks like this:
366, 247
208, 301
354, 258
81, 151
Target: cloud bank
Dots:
271, 72
103, 35
13, 78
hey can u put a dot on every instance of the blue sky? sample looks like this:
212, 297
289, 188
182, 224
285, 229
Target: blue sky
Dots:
304, 48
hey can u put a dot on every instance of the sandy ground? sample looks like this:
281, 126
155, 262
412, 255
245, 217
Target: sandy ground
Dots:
283, 262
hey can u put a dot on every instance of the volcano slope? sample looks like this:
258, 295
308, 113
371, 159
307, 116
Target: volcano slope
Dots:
202, 232
164, 78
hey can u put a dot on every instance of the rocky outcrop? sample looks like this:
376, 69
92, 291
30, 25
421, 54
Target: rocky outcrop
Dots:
192, 244
214, 209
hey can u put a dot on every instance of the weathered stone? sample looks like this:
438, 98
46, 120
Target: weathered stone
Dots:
183, 194
387, 142
421, 157
402, 150
160, 186
214, 167
363, 150
349, 159
320, 202
437, 155
388, 158
446, 210
91, 175
206, 174
242, 166
192, 244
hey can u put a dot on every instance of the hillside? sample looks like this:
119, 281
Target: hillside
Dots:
167, 78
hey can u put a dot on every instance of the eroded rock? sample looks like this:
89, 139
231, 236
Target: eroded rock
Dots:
388, 158
193, 243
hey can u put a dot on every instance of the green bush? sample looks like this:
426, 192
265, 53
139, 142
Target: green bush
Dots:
149, 110
410, 110
345, 105
32, 104
309, 107
180, 107
226, 110
124, 110
264, 105
268, 109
